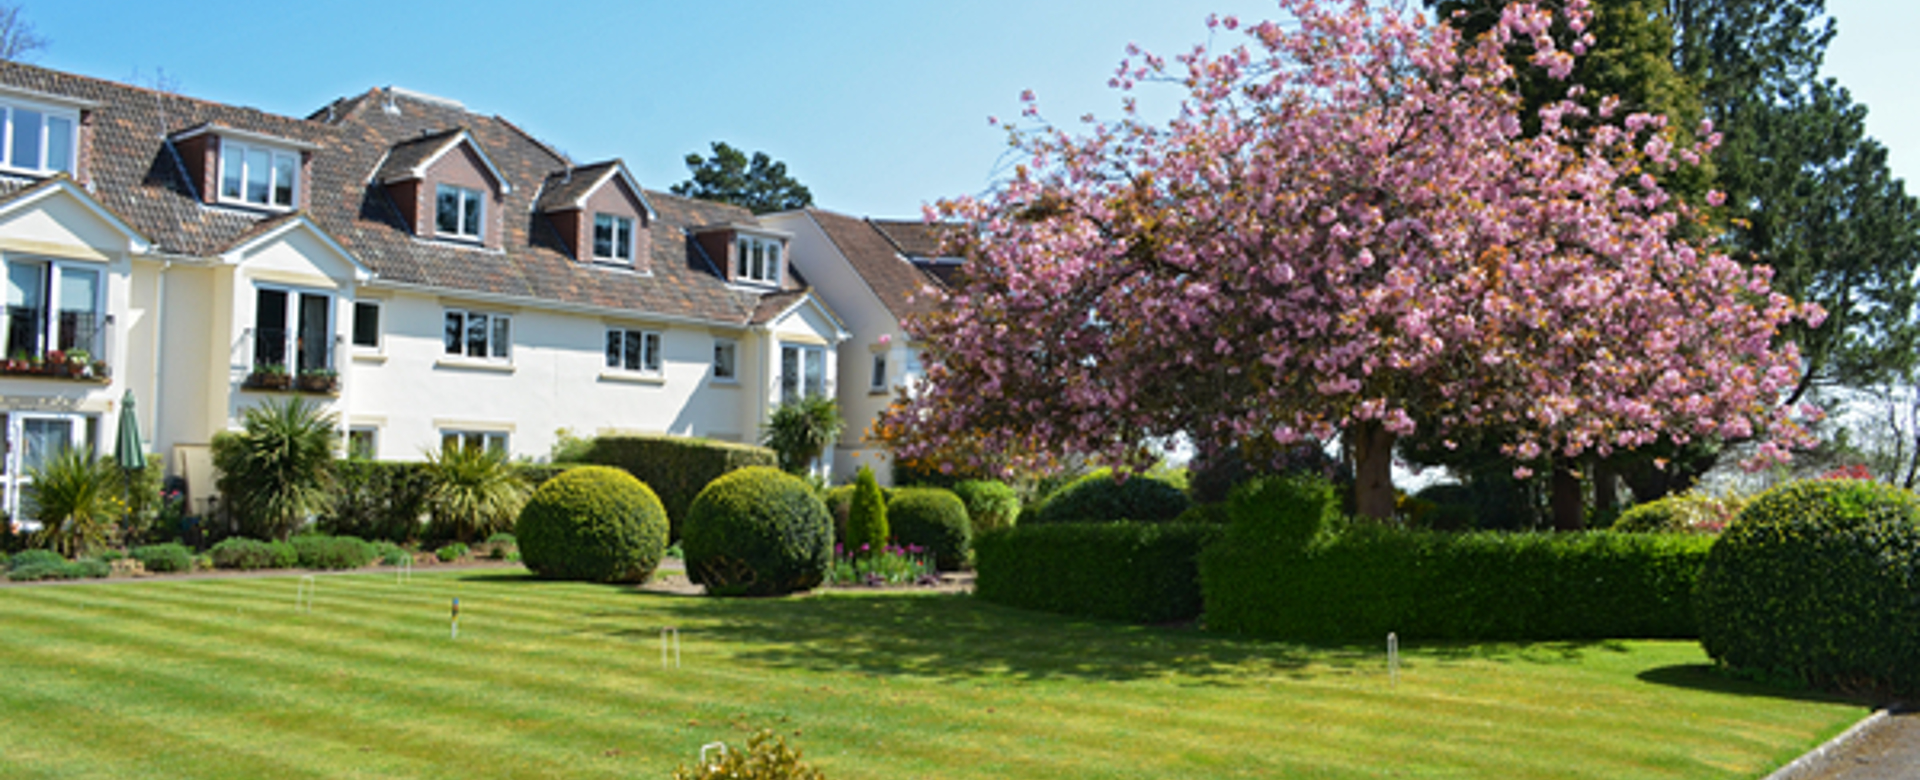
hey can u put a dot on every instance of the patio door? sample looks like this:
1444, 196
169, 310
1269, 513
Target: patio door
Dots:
32, 438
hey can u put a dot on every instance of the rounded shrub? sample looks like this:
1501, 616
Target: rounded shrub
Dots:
1099, 498
935, 519
164, 558
452, 551
1819, 582
593, 523
318, 551
990, 503
757, 531
1678, 514
252, 554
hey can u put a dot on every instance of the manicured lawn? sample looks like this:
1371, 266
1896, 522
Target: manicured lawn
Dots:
225, 679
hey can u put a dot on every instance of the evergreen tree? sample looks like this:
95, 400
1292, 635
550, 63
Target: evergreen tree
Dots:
760, 184
867, 529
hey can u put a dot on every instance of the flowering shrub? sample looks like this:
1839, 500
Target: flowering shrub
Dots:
893, 564
1686, 513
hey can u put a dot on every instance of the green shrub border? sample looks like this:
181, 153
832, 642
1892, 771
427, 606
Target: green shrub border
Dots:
1137, 572
676, 468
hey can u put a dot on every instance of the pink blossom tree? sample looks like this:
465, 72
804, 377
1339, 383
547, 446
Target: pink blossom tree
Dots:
1344, 229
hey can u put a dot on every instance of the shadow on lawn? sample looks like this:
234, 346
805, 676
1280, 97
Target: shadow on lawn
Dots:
959, 637
1710, 678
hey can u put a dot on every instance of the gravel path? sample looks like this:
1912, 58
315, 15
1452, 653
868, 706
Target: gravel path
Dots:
1886, 746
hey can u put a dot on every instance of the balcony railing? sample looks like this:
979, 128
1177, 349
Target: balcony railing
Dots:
312, 370
74, 349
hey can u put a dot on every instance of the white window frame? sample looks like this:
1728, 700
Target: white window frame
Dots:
757, 259
379, 332
622, 245
803, 355
726, 370
246, 151
495, 441
470, 202
49, 325
497, 350
290, 342
372, 434
879, 383
45, 131
651, 363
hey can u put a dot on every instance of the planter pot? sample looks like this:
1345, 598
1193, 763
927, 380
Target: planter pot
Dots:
270, 381
317, 384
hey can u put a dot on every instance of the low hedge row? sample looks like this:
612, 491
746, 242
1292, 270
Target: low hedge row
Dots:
676, 468
1139, 572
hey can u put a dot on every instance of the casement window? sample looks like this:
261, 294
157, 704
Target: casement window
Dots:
725, 357
633, 350
363, 442
803, 372
458, 212
37, 139
490, 441
366, 325
613, 238
879, 383
293, 330
257, 175
479, 335
53, 306
756, 259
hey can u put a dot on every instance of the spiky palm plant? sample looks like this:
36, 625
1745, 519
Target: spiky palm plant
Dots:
75, 496
278, 470
800, 431
474, 492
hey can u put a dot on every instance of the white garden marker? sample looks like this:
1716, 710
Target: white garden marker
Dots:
674, 633
719, 747
454, 632
1393, 660
404, 574
303, 593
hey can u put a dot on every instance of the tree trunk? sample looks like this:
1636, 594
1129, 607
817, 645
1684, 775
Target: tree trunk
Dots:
1606, 497
1568, 508
1372, 446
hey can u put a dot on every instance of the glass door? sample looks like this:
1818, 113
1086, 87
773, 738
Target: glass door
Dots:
31, 440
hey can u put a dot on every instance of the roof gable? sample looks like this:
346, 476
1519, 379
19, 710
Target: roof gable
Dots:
573, 187
60, 187
410, 160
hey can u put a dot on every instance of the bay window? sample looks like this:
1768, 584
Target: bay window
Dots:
803, 372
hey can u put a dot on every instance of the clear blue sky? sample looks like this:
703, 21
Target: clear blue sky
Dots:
877, 106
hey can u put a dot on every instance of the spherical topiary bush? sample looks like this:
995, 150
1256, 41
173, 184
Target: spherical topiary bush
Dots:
757, 531
932, 518
1818, 581
1099, 498
593, 523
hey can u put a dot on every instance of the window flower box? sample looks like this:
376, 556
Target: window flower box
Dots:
269, 377
318, 381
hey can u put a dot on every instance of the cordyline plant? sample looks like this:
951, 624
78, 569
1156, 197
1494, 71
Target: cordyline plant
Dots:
1345, 229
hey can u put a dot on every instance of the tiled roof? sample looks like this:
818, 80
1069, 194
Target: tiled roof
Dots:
138, 175
566, 187
914, 238
404, 160
875, 257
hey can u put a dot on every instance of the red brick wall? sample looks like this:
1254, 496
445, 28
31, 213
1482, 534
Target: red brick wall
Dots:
201, 157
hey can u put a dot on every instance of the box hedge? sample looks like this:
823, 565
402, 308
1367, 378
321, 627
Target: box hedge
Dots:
1288, 567
933, 518
758, 531
593, 523
677, 468
1137, 572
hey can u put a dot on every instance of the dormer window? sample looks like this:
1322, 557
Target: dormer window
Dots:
258, 176
458, 212
756, 259
38, 139
613, 238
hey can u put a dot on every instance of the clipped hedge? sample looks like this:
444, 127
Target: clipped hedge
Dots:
1099, 498
253, 554
1137, 572
677, 468
758, 531
1289, 568
594, 523
933, 518
317, 551
1819, 582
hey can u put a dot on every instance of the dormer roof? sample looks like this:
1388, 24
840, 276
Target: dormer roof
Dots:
570, 188
226, 131
410, 159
